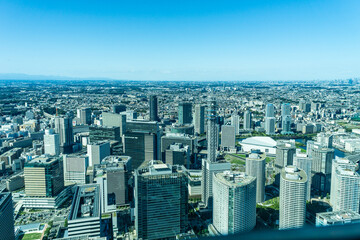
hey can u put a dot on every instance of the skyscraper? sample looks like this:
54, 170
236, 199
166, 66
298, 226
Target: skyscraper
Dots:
185, 113
235, 123
44, 177
199, 120
304, 162
118, 108
247, 120
75, 168
208, 169
161, 199
322, 158
345, 186
85, 115
114, 120
153, 108
6, 216
285, 151
97, 152
293, 189
234, 202
63, 127
255, 166
212, 131
286, 118
227, 136
270, 119
51, 142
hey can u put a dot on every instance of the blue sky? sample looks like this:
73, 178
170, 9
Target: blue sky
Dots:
181, 40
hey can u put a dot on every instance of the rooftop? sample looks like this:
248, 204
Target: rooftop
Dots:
234, 179
260, 141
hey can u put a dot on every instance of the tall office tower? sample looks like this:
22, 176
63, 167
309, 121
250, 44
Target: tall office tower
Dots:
51, 142
44, 177
199, 120
247, 120
177, 138
285, 151
212, 133
140, 146
325, 139
97, 152
270, 110
178, 154
345, 186
235, 123
114, 120
85, 115
255, 166
270, 119
322, 158
63, 127
153, 108
227, 137
142, 141
118, 108
234, 202
270, 125
113, 175
161, 199
75, 168
286, 118
293, 189
208, 169
85, 213
304, 162
7, 216
185, 113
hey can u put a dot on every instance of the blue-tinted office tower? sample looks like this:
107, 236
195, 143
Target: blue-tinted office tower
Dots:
153, 108
286, 118
6, 217
185, 113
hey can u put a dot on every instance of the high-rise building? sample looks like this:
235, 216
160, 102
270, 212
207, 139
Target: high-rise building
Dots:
113, 175
161, 199
178, 154
285, 150
85, 213
270, 125
304, 162
44, 177
63, 127
97, 152
114, 120
235, 123
185, 113
209, 166
208, 169
286, 118
322, 158
234, 208
212, 133
345, 186
84, 114
118, 108
227, 136
325, 139
153, 108
75, 168
176, 138
270, 119
51, 142
247, 120
199, 120
255, 166
140, 146
293, 189
270, 110
6, 217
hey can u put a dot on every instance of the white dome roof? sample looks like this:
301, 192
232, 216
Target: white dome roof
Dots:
261, 141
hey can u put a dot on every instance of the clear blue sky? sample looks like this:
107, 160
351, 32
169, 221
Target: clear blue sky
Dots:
181, 40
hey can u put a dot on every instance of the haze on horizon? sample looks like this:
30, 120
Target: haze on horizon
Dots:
181, 40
